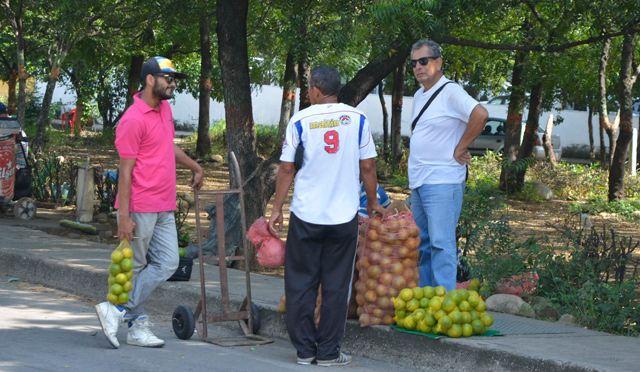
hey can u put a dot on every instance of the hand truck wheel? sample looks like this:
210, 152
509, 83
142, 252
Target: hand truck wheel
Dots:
183, 322
256, 318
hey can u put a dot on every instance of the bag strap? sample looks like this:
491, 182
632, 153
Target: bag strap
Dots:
435, 94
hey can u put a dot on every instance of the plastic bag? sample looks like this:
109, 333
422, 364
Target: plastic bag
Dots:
120, 273
387, 263
271, 249
232, 230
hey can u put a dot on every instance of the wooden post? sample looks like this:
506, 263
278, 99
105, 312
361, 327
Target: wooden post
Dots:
633, 155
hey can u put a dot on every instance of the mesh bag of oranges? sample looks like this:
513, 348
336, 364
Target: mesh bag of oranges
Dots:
387, 263
120, 273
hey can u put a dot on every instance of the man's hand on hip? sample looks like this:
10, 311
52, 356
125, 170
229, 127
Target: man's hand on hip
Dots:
461, 154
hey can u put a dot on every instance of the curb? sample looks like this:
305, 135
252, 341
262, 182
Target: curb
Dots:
379, 343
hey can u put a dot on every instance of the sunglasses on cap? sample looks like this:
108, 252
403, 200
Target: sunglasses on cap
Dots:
423, 61
170, 78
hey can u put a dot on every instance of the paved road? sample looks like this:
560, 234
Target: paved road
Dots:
42, 329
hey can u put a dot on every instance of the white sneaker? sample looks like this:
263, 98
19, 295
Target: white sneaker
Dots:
141, 335
110, 318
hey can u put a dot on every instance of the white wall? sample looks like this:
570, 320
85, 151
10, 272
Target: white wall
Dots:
267, 100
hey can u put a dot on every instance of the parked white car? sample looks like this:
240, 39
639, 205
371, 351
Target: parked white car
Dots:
492, 138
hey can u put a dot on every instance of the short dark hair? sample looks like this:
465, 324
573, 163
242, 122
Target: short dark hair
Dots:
434, 48
325, 78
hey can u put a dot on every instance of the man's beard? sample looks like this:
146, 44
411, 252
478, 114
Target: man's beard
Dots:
161, 92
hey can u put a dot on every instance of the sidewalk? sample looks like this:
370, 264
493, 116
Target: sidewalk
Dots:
80, 267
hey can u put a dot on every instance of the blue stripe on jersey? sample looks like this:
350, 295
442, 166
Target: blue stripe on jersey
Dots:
361, 128
298, 125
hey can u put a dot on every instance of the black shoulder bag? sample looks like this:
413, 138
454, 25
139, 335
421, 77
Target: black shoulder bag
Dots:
435, 94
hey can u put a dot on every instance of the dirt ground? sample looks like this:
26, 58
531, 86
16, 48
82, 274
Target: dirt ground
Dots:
526, 219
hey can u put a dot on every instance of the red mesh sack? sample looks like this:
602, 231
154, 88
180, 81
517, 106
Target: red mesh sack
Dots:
387, 263
271, 249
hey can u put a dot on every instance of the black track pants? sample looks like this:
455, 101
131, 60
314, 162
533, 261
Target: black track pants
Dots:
319, 254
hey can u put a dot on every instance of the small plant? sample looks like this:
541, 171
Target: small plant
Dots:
625, 208
184, 230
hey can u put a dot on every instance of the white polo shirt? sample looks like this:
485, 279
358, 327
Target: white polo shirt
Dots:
335, 137
437, 134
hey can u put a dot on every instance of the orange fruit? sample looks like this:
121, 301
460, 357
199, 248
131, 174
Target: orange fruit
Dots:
117, 256
399, 321
466, 317
412, 304
474, 300
115, 269
467, 330
440, 291
435, 304
423, 327
445, 322
439, 314
121, 278
116, 288
410, 322
487, 319
401, 313
481, 306
464, 294
127, 286
419, 314
448, 304
123, 297
430, 320
112, 279
417, 293
127, 252
428, 292
424, 302
112, 298
126, 264
464, 306
456, 317
474, 315
478, 327
455, 295
406, 294
129, 274
455, 331
399, 303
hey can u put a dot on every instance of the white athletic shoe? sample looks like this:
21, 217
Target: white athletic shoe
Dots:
110, 318
141, 335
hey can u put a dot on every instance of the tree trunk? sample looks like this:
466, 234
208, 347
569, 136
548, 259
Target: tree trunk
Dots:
514, 123
546, 143
133, 82
258, 176
372, 74
592, 147
77, 122
385, 121
616, 172
12, 104
303, 75
604, 122
289, 86
530, 133
396, 112
203, 143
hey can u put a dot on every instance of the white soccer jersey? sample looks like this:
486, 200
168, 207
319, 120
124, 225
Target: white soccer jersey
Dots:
335, 137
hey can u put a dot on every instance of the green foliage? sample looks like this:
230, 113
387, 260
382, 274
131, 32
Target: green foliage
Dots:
594, 277
266, 140
54, 178
594, 206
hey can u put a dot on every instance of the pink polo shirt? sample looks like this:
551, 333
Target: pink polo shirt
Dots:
146, 134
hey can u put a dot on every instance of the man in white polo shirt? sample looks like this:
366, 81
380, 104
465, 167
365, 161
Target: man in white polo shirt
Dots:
438, 162
323, 227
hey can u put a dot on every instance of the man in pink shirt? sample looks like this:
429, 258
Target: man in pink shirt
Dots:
147, 198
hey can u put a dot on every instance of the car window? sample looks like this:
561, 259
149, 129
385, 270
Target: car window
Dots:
493, 127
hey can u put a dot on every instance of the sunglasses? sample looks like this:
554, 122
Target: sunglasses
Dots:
423, 61
170, 78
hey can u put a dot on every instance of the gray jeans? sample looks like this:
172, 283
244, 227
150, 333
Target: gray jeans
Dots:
156, 235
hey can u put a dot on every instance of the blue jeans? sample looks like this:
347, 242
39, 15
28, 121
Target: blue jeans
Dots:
436, 209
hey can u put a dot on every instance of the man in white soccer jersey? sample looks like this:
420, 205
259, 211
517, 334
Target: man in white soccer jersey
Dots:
323, 227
